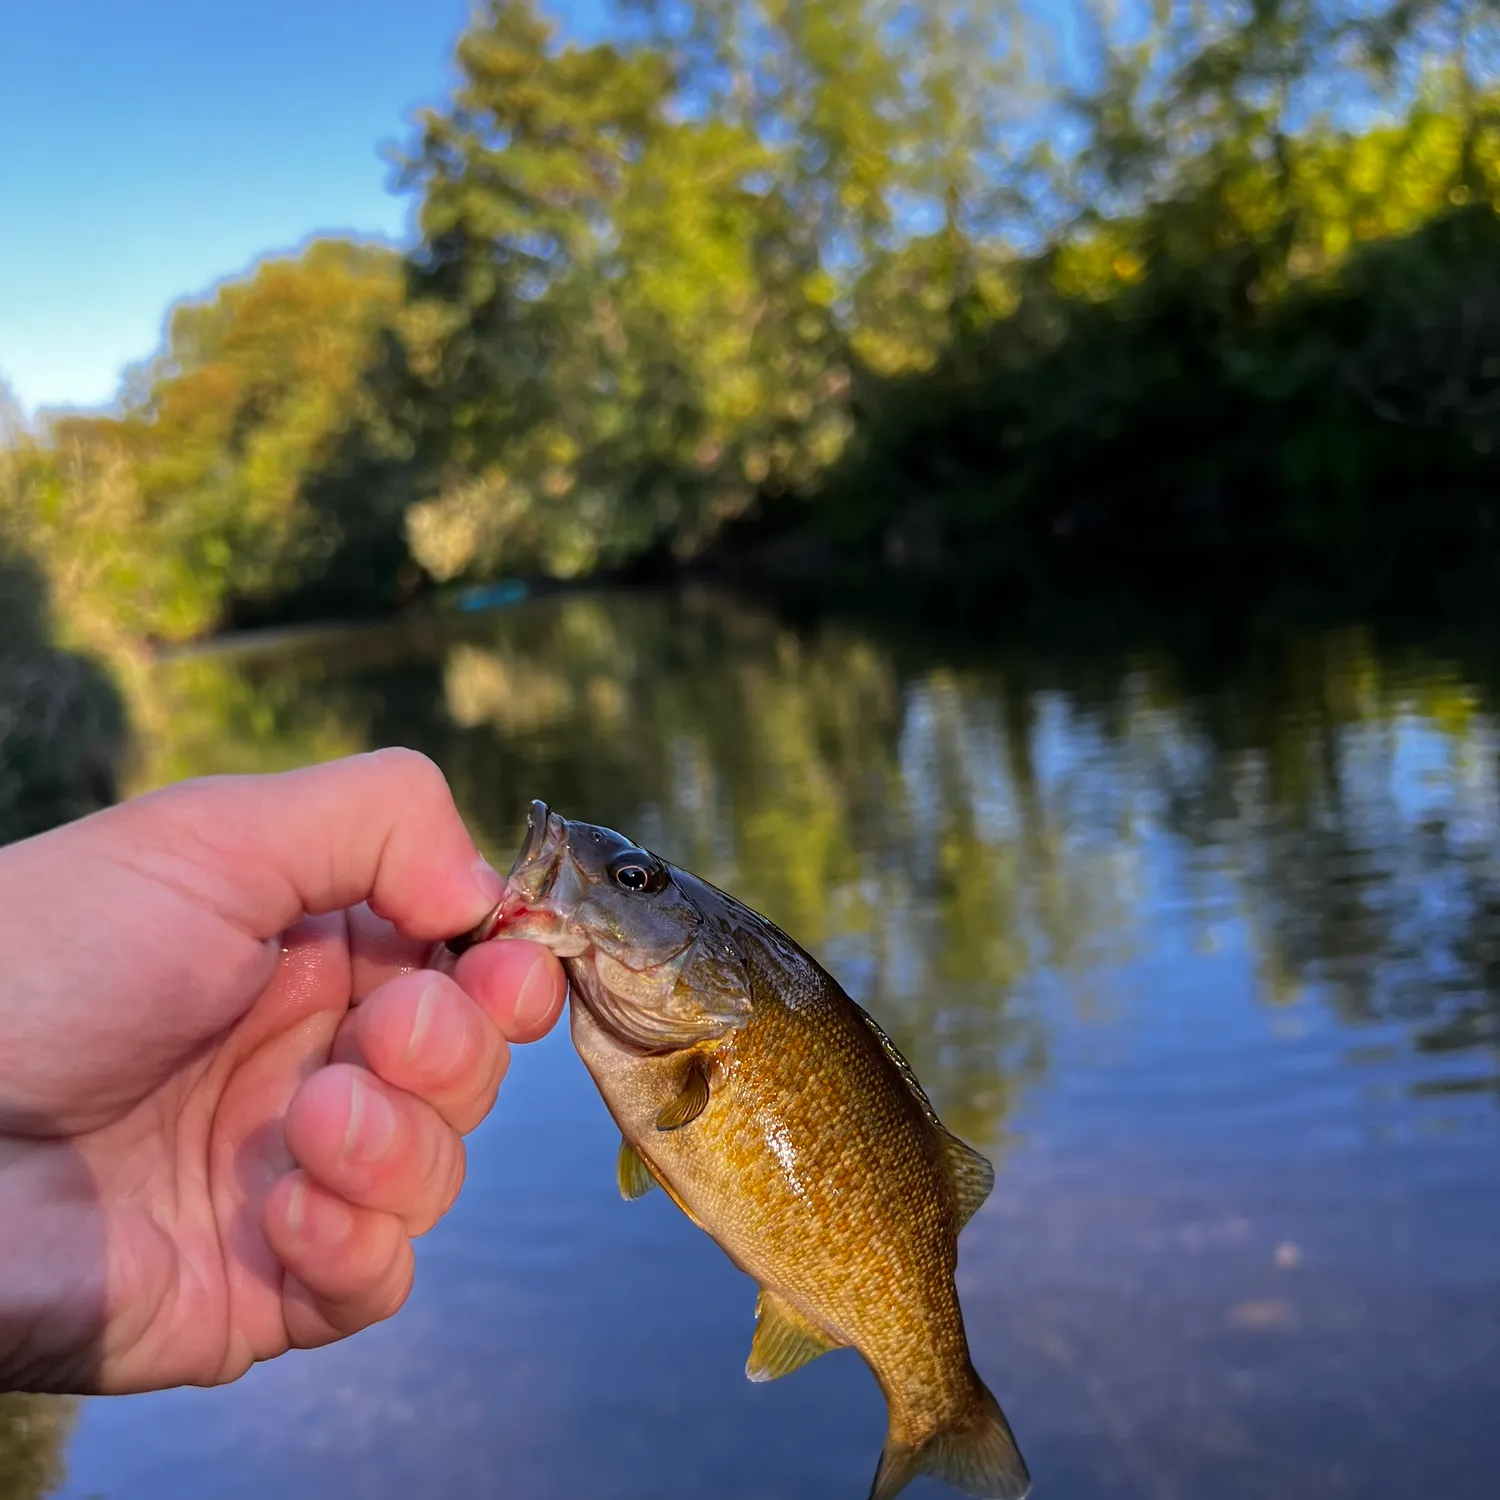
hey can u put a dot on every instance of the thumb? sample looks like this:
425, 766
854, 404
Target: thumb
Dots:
265, 850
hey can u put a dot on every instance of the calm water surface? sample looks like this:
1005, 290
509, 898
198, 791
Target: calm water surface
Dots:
1209, 965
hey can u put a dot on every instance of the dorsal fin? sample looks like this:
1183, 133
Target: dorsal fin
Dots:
970, 1174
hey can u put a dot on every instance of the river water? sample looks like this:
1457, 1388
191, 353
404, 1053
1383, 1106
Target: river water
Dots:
1205, 956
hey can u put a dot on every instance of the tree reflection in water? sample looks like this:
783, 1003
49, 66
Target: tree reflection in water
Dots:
953, 830
33, 1432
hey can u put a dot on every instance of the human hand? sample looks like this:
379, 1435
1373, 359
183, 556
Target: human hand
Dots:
230, 1092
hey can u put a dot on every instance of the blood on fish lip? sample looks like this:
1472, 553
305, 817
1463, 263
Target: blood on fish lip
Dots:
489, 928
476, 935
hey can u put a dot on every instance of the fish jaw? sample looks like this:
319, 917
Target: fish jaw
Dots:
558, 894
640, 956
540, 862
542, 893
539, 895
543, 890
541, 923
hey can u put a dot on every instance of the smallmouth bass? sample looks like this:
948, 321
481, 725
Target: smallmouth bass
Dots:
784, 1123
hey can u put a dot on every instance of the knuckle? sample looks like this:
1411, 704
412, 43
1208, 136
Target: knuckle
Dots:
479, 1102
400, 1286
418, 774
457, 1167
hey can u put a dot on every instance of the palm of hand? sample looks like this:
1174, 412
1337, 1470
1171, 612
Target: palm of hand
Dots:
229, 1158
185, 1175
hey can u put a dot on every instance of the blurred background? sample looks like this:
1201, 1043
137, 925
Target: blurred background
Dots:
1010, 490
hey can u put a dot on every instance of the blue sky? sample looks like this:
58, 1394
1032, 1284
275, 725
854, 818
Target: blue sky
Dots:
153, 147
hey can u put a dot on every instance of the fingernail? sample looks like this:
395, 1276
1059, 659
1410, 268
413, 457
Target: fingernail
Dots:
438, 1036
421, 1022
372, 1123
537, 993
490, 882
296, 1206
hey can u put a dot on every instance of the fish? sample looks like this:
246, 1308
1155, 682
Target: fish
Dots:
782, 1120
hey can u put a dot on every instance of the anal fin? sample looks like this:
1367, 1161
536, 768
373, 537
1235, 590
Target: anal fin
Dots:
633, 1175
784, 1340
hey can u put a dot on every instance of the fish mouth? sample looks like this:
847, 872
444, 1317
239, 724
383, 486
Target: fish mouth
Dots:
537, 821
538, 865
531, 877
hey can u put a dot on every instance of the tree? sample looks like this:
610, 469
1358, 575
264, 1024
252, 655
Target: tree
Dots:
231, 428
650, 272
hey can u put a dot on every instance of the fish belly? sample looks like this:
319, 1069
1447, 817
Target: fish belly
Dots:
873, 1275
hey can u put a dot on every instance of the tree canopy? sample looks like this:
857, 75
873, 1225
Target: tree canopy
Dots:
863, 267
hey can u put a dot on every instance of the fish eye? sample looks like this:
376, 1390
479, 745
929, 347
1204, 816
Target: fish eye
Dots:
635, 871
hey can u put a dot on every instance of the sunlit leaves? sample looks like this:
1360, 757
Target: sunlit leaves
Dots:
670, 256
717, 265
247, 403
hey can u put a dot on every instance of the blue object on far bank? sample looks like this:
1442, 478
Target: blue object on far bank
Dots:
491, 595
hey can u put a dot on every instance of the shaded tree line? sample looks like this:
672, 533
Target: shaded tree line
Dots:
62, 722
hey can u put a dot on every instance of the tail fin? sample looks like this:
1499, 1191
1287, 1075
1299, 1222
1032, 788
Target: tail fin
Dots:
976, 1454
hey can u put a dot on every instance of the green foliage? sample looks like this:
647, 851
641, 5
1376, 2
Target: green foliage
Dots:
648, 272
226, 479
1343, 433
61, 732
62, 729
254, 397
898, 279
766, 260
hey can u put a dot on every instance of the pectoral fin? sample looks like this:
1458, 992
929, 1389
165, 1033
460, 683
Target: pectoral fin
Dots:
691, 1101
633, 1175
784, 1340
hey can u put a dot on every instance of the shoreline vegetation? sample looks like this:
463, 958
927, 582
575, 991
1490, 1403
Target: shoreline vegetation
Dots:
1027, 320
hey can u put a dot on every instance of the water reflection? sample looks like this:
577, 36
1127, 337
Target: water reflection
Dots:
942, 833
33, 1430
1208, 953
